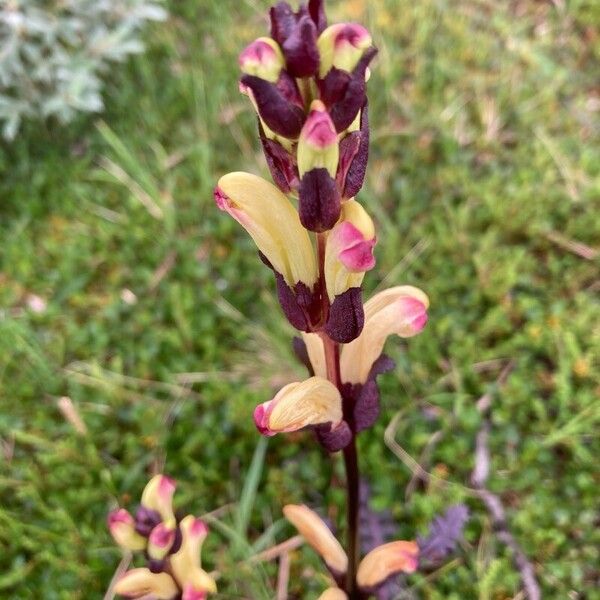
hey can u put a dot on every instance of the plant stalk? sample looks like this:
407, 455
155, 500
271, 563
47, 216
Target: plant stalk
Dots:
332, 362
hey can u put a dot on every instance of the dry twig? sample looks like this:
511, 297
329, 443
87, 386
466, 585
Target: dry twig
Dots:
491, 501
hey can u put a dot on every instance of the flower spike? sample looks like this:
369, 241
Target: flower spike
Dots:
315, 401
318, 535
399, 310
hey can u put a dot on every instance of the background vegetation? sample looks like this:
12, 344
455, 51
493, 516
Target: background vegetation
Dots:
124, 289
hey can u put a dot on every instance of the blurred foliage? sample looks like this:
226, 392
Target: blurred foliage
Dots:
53, 54
123, 288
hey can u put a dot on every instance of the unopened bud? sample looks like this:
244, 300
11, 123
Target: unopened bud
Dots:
262, 58
318, 143
342, 46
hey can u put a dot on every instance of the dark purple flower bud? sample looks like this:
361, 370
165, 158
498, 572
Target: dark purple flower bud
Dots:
300, 49
334, 439
316, 8
346, 316
300, 305
319, 201
283, 21
287, 85
156, 565
275, 109
344, 94
146, 520
280, 162
296, 33
290, 305
355, 175
349, 146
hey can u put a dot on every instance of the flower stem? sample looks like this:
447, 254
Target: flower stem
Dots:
352, 486
332, 362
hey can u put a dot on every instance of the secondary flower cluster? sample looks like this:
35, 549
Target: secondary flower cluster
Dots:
307, 83
171, 547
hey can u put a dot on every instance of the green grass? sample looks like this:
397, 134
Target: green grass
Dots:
484, 168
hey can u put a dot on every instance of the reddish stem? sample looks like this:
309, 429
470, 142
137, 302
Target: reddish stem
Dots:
332, 362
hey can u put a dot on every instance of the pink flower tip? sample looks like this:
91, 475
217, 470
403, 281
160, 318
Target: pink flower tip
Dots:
319, 129
166, 486
162, 536
199, 528
261, 419
354, 34
415, 313
258, 52
190, 593
356, 252
119, 517
221, 199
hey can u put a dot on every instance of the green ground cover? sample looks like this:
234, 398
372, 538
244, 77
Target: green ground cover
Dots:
156, 318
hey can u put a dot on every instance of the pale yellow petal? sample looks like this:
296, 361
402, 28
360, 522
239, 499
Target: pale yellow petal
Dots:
399, 310
316, 353
272, 222
300, 404
318, 535
333, 594
138, 583
385, 561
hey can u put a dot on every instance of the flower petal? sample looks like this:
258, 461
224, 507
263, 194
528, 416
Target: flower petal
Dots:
318, 143
349, 250
385, 561
341, 46
333, 594
272, 222
262, 58
312, 402
158, 496
316, 353
185, 563
399, 310
138, 583
122, 528
310, 525
161, 541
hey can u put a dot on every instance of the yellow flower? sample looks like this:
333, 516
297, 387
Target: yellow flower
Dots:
272, 222
315, 401
318, 535
385, 561
400, 310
